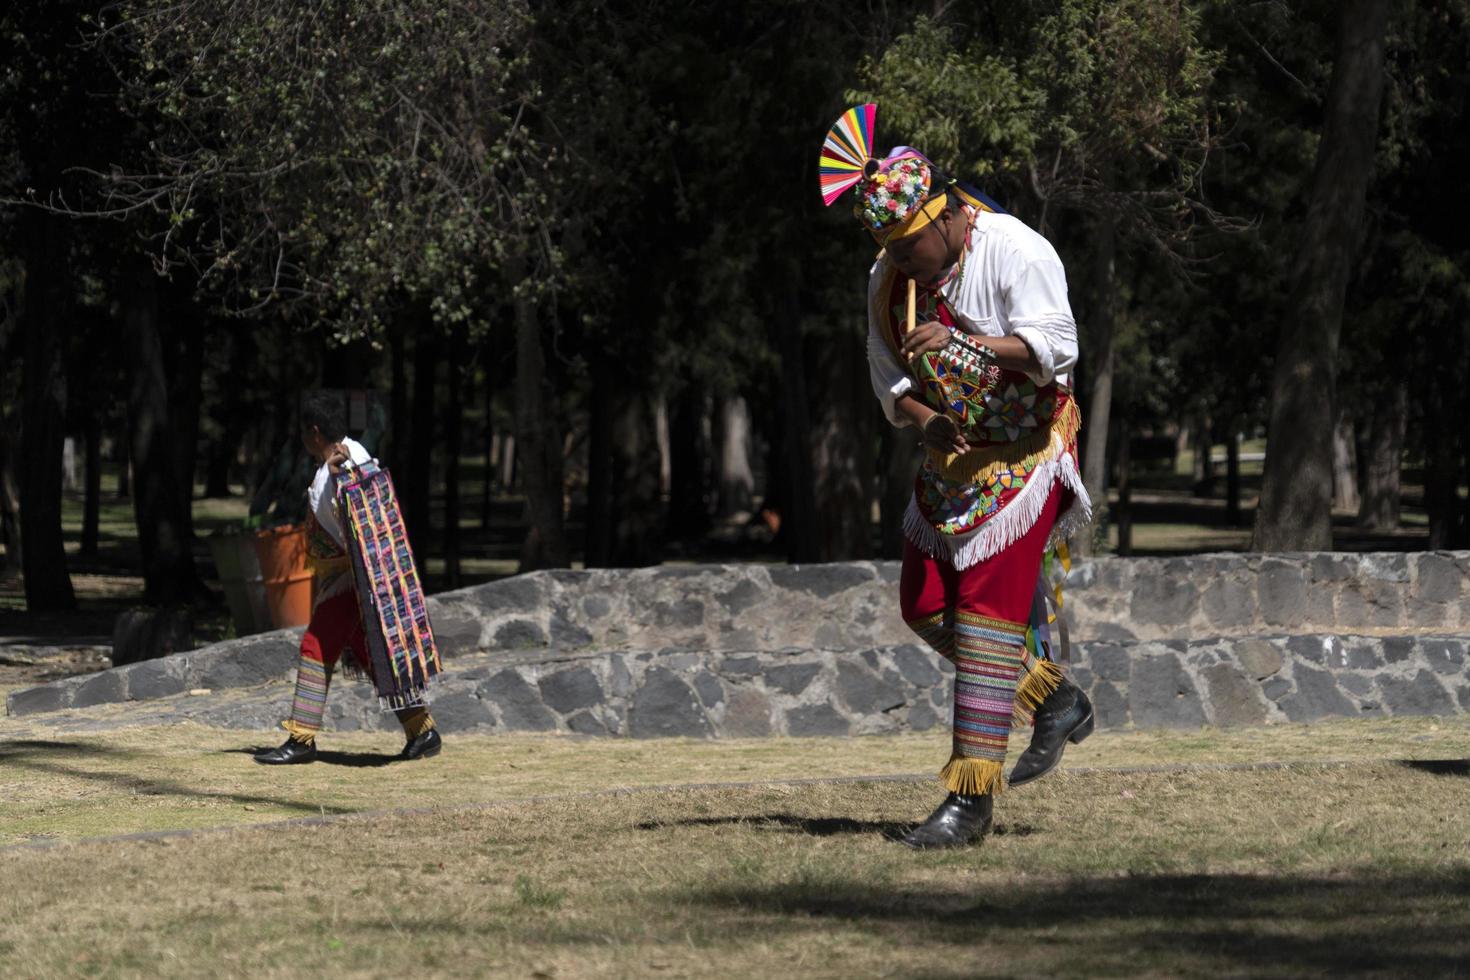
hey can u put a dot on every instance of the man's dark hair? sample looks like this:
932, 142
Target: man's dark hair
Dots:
326, 410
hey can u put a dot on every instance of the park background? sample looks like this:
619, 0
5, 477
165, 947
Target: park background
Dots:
576, 254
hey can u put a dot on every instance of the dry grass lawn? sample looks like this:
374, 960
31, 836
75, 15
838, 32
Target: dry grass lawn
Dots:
60, 786
1306, 871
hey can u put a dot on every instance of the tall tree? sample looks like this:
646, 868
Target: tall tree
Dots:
1296, 492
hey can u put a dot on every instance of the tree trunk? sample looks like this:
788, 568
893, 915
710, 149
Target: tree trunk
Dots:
1381, 460
735, 483
1232, 474
901, 457
1296, 490
538, 438
1344, 467
403, 322
92, 501
9, 502
690, 440
1099, 407
1204, 463
43, 415
1123, 461
123, 457
418, 484
185, 390
453, 434
842, 453
169, 575
487, 486
798, 521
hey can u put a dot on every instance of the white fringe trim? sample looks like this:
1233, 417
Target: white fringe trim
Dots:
1014, 520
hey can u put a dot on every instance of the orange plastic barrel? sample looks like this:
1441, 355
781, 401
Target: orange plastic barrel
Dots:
282, 553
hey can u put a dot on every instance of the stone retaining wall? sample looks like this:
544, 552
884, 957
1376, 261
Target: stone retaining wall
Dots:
1159, 641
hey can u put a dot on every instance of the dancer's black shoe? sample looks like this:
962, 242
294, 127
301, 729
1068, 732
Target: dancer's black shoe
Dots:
958, 821
290, 754
1065, 716
424, 745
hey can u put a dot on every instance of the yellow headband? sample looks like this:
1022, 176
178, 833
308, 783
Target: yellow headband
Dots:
914, 223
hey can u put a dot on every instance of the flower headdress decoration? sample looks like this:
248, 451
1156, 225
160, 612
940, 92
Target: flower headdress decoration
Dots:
897, 195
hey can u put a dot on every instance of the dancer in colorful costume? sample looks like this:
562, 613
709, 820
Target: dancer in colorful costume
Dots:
342, 598
970, 341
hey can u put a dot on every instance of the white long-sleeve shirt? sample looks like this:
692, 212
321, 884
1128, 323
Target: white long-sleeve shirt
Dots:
322, 495
1014, 285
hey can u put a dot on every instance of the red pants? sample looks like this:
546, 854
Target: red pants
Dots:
977, 619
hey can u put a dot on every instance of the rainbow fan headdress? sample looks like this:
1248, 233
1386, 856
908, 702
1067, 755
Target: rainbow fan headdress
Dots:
847, 155
896, 196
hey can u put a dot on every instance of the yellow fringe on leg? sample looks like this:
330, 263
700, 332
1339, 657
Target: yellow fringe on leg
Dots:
299, 733
1042, 678
415, 721
972, 777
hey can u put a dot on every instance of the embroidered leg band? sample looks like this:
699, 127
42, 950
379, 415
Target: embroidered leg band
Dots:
988, 661
415, 721
312, 680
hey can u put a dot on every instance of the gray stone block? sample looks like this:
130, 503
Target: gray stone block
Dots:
1282, 592
1275, 688
595, 607
1397, 649
1362, 654
108, 687
459, 711
1258, 658
741, 666
1444, 656
586, 723
1162, 695
1383, 567
1109, 662
148, 634
156, 678
664, 705
1463, 696
518, 703
921, 717
816, 719
566, 633
1228, 604
791, 678
741, 597
747, 714
1421, 695
711, 692
1109, 705
863, 692
1235, 699
518, 594
682, 614
456, 630
1164, 599
822, 581
619, 677
1356, 684
568, 690
1309, 648
918, 665
519, 634
245, 663
1331, 566
1316, 696
35, 700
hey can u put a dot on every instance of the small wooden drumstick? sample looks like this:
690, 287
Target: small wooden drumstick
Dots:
909, 329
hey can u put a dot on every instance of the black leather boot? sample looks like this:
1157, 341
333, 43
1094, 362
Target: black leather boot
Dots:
424, 745
1065, 716
290, 754
958, 821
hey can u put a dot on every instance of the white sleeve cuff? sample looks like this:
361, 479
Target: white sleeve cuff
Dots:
1046, 364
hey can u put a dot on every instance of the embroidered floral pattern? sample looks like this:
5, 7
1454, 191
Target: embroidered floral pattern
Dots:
955, 508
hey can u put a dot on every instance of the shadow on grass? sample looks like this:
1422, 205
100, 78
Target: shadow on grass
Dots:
1411, 924
33, 754
1440, 767
817, 826
353, 760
